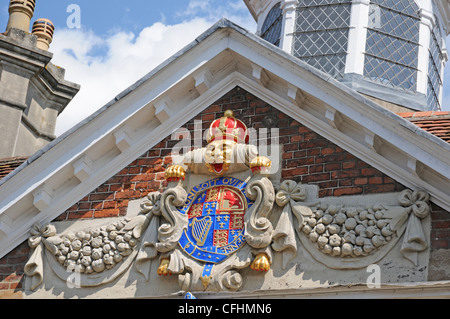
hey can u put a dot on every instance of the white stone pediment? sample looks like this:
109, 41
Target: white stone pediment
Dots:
222, 58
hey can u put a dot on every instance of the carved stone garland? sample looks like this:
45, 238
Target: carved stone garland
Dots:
353, 237
99, 255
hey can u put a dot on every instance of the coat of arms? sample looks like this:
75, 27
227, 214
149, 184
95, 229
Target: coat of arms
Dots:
216, 223
222, 224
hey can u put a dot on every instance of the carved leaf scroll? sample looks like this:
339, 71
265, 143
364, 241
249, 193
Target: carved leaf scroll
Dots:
170, 232
258, 228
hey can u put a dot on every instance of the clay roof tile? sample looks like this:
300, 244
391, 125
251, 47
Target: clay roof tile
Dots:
436, 123
7, 165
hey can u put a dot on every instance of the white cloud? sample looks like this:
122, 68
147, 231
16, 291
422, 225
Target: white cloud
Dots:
124, 59
214, 10
106, 65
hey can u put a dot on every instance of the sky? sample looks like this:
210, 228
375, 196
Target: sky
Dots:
106, 46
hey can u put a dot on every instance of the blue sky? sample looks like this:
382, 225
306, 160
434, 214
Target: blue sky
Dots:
106, 16
121, 41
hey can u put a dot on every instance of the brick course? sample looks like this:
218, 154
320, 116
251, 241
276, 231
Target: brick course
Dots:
12, 277
440, 228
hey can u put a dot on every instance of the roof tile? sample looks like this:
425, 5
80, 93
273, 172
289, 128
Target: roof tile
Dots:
436, 123
7, 165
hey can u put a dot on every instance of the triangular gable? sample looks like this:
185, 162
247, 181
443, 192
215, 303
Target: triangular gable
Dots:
222, 58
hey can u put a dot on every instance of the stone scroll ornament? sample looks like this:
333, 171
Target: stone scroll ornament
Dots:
348, 236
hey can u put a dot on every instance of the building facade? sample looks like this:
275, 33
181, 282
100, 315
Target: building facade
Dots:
389, 50
285, 181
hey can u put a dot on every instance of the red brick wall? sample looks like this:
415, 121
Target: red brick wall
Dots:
311, 159
12, 278
137, 180
440, 228
307, 158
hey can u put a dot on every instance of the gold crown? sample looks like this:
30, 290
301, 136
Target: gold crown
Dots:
229, 128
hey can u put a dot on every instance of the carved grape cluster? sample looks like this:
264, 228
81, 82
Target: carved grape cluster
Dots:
97, 250
348, 231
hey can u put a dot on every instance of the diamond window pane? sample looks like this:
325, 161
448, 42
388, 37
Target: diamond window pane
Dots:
392, 47
271, 29
390, 74
434, 69
394, 23
432, 98
408, 7
321, 34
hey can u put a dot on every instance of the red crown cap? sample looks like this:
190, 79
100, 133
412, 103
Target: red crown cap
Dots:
229, 128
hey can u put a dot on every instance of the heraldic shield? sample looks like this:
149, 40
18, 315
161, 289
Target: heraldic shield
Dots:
215, 210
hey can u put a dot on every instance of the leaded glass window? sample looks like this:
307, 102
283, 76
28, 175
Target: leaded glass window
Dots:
434, 69
271, 29
392, 48
321, 34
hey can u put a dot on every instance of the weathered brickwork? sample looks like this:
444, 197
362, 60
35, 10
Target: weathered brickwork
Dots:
141, 177
307, 157
12, 278
440, 228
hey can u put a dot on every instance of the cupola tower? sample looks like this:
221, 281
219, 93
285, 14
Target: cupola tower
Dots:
390, 50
